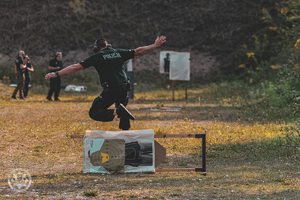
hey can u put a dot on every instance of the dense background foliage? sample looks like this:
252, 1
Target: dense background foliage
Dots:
215, 27
270, 59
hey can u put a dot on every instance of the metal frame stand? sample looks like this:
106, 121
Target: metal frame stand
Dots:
197, 169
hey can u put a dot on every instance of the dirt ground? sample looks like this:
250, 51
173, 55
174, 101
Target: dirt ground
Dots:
35, 136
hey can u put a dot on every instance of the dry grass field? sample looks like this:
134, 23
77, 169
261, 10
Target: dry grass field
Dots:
244, 160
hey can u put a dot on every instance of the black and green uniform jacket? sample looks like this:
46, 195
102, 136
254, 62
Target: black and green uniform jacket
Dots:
108, 64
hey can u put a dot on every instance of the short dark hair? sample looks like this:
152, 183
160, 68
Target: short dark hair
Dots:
101, 43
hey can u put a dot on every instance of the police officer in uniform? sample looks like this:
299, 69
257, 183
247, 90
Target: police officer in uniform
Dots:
19, 69
108, 62
55, 83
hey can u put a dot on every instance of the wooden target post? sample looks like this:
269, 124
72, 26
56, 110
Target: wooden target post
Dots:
160, 151
164, 80
173, 88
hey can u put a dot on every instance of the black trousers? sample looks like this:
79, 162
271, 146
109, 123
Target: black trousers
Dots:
26, 85
99, 110
54, 87
20, 85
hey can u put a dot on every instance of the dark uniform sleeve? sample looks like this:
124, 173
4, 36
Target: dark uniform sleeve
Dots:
51, 63
60, 65
18, 62
89, 61
126, 54
21, 61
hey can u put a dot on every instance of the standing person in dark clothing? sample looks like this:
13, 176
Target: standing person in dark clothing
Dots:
19, 69
54, 66
108, 63
28, 69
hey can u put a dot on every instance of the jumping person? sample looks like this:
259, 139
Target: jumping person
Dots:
108, 63
28, 69
19, 70
55, 65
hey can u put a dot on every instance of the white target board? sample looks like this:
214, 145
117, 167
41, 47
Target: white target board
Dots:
179, 66
119, 151
127, 66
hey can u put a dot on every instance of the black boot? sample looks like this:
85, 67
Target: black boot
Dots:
123, 112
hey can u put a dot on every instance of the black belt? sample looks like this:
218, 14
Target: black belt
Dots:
107, 86
120, 84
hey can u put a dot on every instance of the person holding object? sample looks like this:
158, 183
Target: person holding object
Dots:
19, 70
108, 63
55, 83
28, 69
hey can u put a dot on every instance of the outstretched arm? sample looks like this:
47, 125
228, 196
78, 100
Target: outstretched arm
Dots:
68, 70
145, 49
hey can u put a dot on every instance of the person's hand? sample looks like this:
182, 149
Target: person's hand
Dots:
50, 75
160, 40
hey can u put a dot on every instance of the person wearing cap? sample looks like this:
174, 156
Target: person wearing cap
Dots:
28, 69
108, 63
19, 70
55, 83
